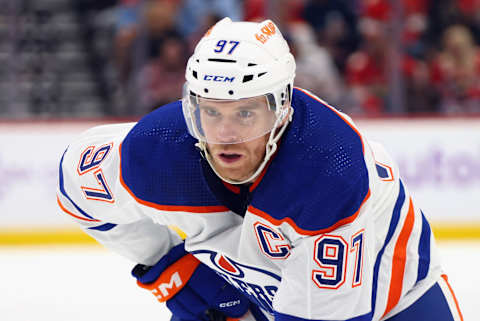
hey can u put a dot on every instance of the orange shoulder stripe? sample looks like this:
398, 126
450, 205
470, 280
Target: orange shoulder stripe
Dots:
301, 231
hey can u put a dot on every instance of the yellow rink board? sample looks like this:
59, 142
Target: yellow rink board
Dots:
44, 236
75, 236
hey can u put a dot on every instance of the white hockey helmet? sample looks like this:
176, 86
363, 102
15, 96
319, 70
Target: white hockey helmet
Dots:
238, 62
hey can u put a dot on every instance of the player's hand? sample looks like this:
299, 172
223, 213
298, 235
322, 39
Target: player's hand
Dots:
190, 289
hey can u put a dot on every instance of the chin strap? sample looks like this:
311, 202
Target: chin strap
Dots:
270, 149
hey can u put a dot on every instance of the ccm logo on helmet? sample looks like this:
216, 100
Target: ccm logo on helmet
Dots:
218, 78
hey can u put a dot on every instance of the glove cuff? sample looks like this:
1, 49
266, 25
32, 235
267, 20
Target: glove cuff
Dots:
173, 279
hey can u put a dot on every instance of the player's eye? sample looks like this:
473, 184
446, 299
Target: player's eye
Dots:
211, 112
245, 114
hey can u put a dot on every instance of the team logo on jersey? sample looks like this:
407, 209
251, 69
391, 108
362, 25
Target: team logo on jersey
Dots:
258, 284
226, 266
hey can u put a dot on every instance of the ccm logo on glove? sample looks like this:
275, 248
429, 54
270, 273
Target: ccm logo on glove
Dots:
173, 279
229, 304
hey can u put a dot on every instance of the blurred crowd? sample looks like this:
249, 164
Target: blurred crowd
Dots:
74, 58
368, 57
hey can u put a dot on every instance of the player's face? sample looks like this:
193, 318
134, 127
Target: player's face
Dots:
238, 161
229, 124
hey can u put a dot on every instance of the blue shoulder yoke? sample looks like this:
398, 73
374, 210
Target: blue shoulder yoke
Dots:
160, 163
319, 176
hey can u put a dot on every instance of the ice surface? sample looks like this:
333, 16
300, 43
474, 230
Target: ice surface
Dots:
90, 284
72, 284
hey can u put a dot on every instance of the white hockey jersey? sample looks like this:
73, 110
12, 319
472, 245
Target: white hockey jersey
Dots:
327, 232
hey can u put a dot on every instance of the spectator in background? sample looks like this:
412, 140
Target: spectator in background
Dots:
335, 25
413, 14
161, 80
471, 13
456, 71
367, 71
442, 14
207, 21
193, 14
316, 70
126, 28
159, 21
282, 12
143, 28
419, 96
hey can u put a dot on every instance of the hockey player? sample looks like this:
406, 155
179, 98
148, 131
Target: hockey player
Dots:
255, 200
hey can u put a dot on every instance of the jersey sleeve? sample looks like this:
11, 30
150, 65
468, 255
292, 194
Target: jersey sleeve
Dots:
90, 192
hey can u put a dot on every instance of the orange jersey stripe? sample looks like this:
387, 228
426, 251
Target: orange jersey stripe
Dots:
399, 260
76, 216
299, 230
260, 177
171, 208
232, 188
444, 276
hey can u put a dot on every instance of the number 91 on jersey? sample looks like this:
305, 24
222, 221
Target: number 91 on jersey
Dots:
331, 256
